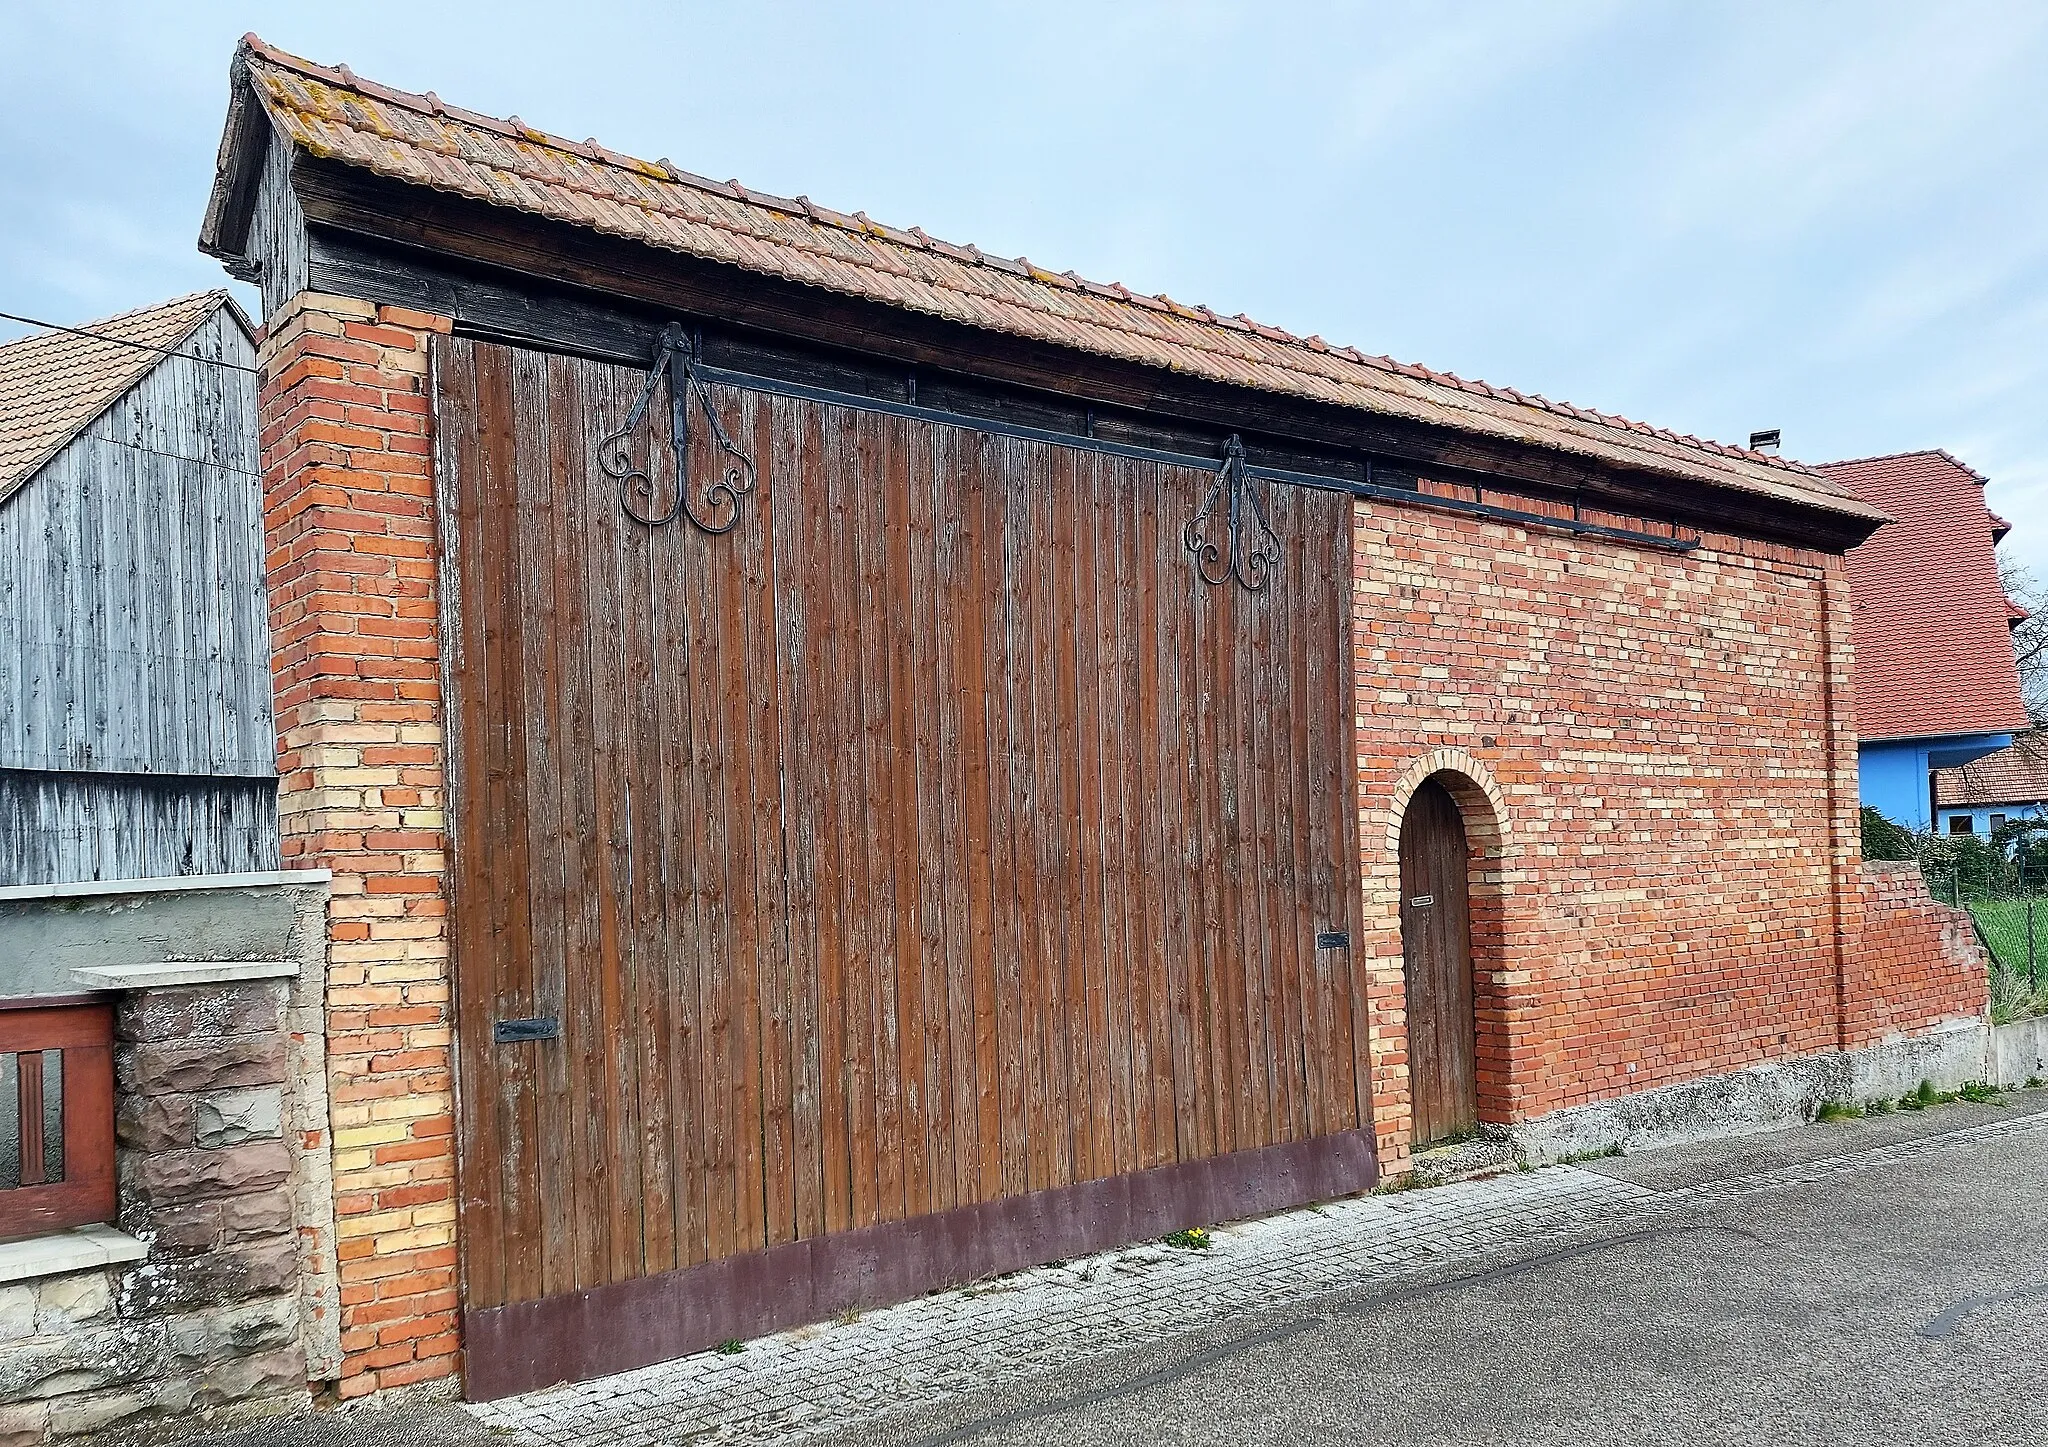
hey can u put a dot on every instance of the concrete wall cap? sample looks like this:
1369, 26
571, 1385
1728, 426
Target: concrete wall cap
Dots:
82, 1248
169, 884
182, 972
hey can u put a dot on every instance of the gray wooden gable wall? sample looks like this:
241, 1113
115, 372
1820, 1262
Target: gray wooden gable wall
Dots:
135, 734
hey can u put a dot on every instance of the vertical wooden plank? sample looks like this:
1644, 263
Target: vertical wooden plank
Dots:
923, 876
1279, 904
1054, 746
981, 563
1309, 1010
584, 1042
1333, 812
1026, 682
458, 492
1008, 707
804, 619
607, 392
677, 881
908, 1008
651, 993
726, 976
776, 926
1200, 778
751, 980
846, 1035
1169, 733
1104, 986
1256, 871
953, 762
878, 1179
1153, 920
503, 376
537, 566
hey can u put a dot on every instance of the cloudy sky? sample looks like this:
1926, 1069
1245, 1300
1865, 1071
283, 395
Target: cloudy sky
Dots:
1827, 218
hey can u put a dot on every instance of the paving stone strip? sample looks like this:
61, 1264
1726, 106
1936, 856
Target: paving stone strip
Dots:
826, 1378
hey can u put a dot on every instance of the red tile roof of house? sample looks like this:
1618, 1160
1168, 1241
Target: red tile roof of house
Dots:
2018, 775
1933, 626
54, 383
331, 112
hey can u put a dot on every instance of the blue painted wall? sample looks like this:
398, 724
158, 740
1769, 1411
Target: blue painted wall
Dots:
1893, 775
1980, 817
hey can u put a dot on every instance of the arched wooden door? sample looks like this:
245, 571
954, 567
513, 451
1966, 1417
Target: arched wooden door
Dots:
1436, 961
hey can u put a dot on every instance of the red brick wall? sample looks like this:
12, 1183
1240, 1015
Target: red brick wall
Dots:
349, 536
1655, 753
1914, 962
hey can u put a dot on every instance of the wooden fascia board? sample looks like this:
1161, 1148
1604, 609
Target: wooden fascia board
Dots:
238, 175
437, 224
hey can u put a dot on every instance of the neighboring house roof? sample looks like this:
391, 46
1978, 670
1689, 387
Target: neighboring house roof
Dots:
1933, 627
335, 115
54, 383
2016, 775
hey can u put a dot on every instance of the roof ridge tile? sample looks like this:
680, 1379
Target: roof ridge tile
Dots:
1266, 371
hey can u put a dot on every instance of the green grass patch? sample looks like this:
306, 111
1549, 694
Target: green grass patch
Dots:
1192, 1239
1839, 1110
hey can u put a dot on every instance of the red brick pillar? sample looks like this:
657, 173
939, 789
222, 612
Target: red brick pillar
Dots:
349, 539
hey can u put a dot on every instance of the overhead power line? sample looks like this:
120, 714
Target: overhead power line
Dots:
126, 342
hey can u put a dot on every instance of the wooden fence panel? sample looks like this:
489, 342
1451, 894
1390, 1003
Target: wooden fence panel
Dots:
933, 838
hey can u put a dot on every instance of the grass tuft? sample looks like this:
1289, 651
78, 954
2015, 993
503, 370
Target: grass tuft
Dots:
1194, 1238
1579, 1158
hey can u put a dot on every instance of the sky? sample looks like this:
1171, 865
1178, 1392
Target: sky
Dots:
1828, 218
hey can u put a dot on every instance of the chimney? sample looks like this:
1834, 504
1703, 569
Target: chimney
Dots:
1764, 441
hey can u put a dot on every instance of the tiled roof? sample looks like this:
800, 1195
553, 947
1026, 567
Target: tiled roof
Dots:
2018, 775
418, 139
1933, 626
53, 384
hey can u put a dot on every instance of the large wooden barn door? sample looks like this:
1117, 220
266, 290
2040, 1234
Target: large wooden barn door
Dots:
932, 847
1436, 957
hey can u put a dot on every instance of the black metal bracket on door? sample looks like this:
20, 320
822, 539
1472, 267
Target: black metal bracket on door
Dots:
509, 1032
676, 357
1249, 552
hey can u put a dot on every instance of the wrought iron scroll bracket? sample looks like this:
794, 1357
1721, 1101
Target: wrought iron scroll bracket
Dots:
1248, 551
676, 358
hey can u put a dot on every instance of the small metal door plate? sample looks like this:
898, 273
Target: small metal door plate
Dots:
1335, 939
507, 1032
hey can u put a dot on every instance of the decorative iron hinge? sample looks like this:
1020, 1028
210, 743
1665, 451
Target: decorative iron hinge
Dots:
676, 358
1249, 552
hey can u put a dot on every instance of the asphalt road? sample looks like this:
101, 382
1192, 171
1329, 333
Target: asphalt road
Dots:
1900, 1298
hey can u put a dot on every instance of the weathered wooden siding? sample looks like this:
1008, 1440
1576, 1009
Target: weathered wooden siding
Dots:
65, 828
131, 584
277, 232
932, 839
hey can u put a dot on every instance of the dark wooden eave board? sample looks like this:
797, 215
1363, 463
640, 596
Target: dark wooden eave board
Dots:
426, 229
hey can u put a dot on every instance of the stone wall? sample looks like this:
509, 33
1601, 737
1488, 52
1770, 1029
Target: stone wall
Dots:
211, 1317
217, 1292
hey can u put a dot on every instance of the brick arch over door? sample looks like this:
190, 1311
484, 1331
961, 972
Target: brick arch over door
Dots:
1484, 809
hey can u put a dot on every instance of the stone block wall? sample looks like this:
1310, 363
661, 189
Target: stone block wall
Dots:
349, 537
211, 1318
